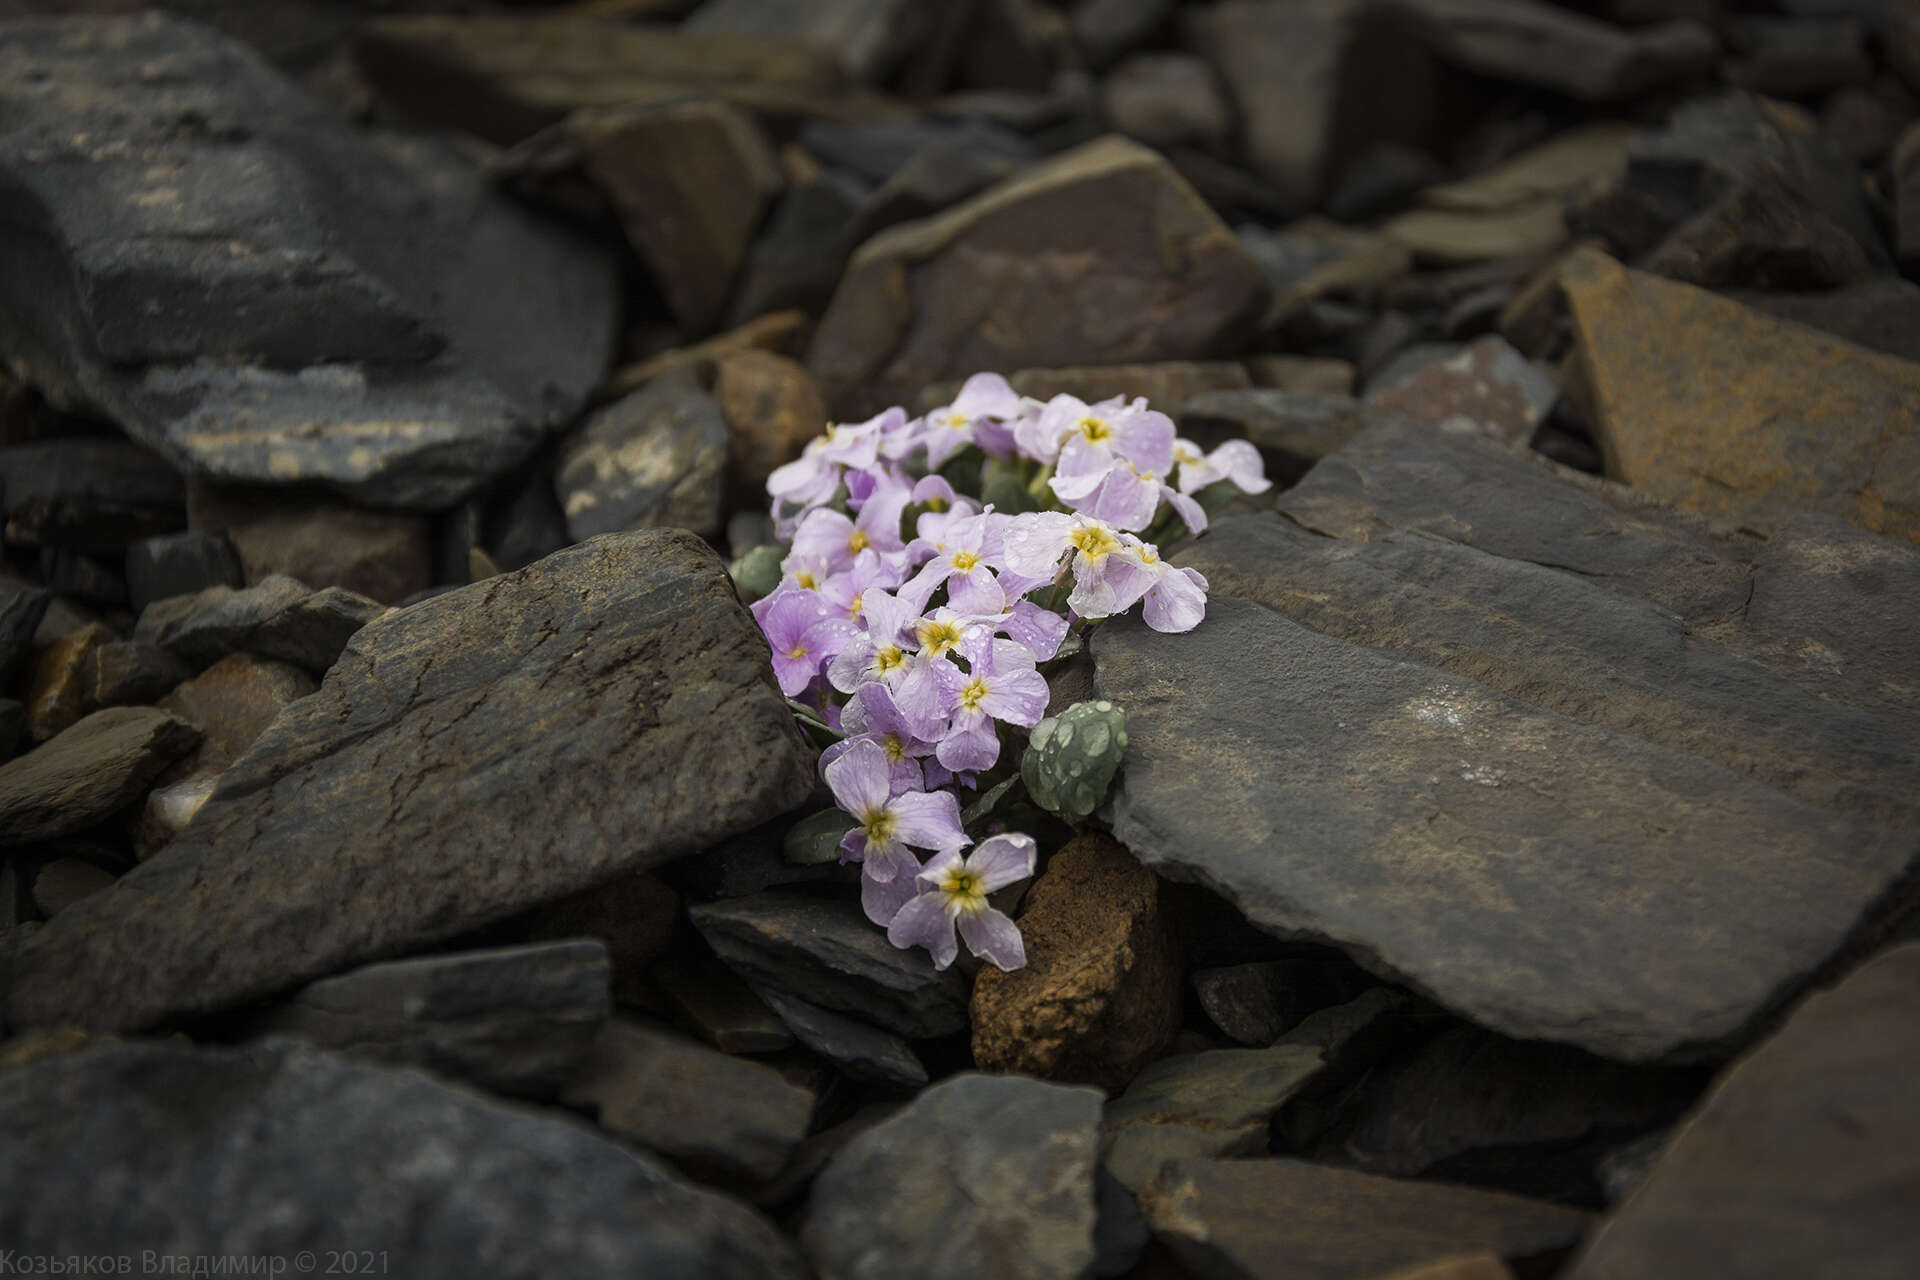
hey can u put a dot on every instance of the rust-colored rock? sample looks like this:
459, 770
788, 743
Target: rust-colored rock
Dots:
1731, 413
232, 702
57, 690
774, 407
1103, 255
386, 555
1100, 995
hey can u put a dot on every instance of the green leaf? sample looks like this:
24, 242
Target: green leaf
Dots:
1071, 758
989, 800
757, 573
816, 838
962, 471
1003, 486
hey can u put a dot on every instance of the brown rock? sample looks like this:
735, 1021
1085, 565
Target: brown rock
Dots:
713, 1112
718, 1006
1477, 1266
632, 915
232, 702
782, 332
65, 881
1100, 995
1730, 413
385, 555
1238, 1218
1101, 255
1906, 184
1166, 100
1488, 388
1455, 235
653, 459
168, 810
1319, 375
774, 407
1803, 1159
1573, 161
57, 689
689, 182
47, 1042
88, 771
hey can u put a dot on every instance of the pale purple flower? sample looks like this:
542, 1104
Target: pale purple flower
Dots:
1137, 436
1000, 684
811, 479
879, 653
1038, 630
1177, 600
885, 823
847, 591
826, 537
1043, 434
954, 893
1236, 460
872, 717
983, 396
802, 637
966, 551
1105, 582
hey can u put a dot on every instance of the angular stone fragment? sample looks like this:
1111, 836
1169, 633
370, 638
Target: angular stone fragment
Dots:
857, 1050
1167, 100
1802, 1159
505, 78
65, 881
713, 1112
868, 38
363, 341
88, 772
655, 459
179, 564
233, 701
829, 953
773, 407
1733, 414
1530, 43
520, 739
713, 1002
383, 555
1024, 275
275, 618
1259, 1002
1233, 1218
93, 495
1489, 388
633, 916
22, 605
289, 1146
1099, 996
517, 1020
984, 1175
1216, 1103
1292, 429
57, 687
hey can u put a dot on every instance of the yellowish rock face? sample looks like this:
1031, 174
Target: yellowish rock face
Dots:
1740, 417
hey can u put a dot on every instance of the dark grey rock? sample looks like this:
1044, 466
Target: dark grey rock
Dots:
1792, 57
1638, 768
92, 495
1292, 429
653, 459
88, 772
1471, 1107
179, 564
124, 673
1621, 1170
1906, 196
275, 618
859, 1051
1168, 100
984, 1175
869, 38
64, 881
1105, 29
1257, 1003
79, 576
523, 738
1233, 1218
1545, 46
434, 329
22, 605
1881, 314
714, 1113
265, 1151
942, 173
13, 728
796, 259
715, 1004
517, 1020
873, 153
1802, 1159
828, 953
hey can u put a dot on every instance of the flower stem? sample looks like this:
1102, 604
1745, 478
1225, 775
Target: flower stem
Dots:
1038, 487
814, 724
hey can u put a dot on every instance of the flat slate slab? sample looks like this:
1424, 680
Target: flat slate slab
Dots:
1804, 1158
604, 710
257, 290
278, 1151
1541, 749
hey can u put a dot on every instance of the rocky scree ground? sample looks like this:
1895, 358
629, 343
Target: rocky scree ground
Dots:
1512, 876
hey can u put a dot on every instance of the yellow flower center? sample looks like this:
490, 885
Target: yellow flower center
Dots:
1094, 429
1184, 455
963, 561
798, 651
936, 637
853, 610
896, 749
806, 579
962, 891
1149, 555
887, 658
1094, 542
879, 826
956, 421
972, 692
859, 541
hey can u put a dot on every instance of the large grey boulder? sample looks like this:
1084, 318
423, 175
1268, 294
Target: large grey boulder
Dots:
261, 293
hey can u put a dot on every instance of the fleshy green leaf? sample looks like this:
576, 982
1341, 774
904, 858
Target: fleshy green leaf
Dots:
816, 838
1071, 758
757, 573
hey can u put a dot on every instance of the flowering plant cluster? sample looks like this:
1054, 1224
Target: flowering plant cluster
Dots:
933, 565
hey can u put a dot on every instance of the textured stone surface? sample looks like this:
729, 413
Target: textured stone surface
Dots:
1733, 414
56, 688
1489, 387
633, 916
89, 494
1234, 1218
1802, 1159
858, 1050
275, 618
364, 343
982, 1175
1024, 275
773, 407
179, 564
517, 1020
829, 953
1292, 429
1543, 45
868, 38
1549, 877
22, 606
520, 739
383, 555
1099, 996
266, 1151
233, 701
715, 1113
97, 766
654, 459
